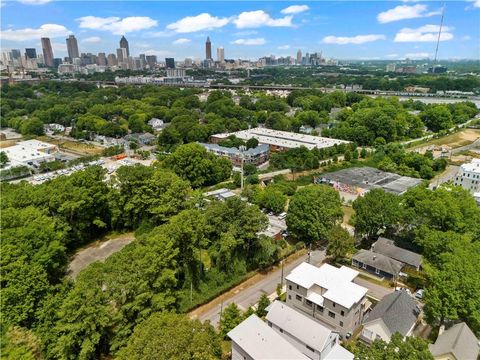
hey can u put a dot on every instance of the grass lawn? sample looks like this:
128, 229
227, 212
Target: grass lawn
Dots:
84, 148
347, 214
458, 139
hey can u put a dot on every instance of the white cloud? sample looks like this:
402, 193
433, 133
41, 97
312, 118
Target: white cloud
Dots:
92, 39
476, 3
466, 37
359, 39
402, 12
257, 41
283, 47
295, 9
419, 55
257, 18
392, 56
46, 30
34, 2
116, 25
181, 41
200, 22
245, 33
426, 33
59, 47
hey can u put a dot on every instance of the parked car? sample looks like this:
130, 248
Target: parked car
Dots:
419, 294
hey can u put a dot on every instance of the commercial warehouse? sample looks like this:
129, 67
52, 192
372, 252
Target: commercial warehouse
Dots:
280, 140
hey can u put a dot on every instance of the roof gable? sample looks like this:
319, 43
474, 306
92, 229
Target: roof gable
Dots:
388, 248
459, 340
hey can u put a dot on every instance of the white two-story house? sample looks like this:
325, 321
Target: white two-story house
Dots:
328, 294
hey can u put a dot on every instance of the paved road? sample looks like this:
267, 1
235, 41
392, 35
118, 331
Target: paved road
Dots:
249, 293
97, 252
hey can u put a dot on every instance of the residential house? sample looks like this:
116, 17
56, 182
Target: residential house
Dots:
255, 340
309, 336
255, 156
378, 264
456, 343
327, 293
141, 138
388, 248
156, 124
396, 312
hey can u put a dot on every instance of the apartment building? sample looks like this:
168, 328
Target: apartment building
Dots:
469, 176
328, 294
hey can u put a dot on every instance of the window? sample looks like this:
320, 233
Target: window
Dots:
289, 297
342, 313
331, 314
298, 287
320, 308
281, 330
289, 287
308, 302
298, 297
377, 271
341, 323
309, 348
364, 266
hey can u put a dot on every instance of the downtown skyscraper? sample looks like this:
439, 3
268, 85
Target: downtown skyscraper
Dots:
72, 47
208, 49
124, 45
47, 52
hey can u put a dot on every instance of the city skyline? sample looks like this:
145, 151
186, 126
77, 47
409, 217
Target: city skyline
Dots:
382, 30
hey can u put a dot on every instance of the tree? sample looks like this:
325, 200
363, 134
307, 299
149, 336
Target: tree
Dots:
262, 306
376, 211
273, 200
340, 243
3, 158
32, 127
166, 336
363, 153
399, 348
312, 213
437, 117
230, 318
252, 143
192, 162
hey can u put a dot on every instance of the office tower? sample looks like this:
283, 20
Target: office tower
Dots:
124, 45
57, 62
188, 62
151, 61
170, 63
30, 53
101, 59
299, 57
122, 56
72, 47
111, 60
220, 54
208, 49
16, 54
47, 52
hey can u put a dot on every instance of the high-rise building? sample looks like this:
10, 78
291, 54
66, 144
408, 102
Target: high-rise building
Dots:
111, 60
188, 62
299, 57
208, 49
391, 67
16, 54
47, 52
101, 59
124, 45
30, 53
169, 63
72, 47
220, 54
151, 61
122, 56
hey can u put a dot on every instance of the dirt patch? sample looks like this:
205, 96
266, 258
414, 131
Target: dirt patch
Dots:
459, 139
98, 251
7, 143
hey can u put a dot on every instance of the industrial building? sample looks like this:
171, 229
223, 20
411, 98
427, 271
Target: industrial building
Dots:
30, 153
255, 156
280, 140
358, 181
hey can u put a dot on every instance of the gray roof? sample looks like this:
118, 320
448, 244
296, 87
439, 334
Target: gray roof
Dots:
261, 342
458, 340
387, 247
301, 327
398, 311
370, 178
378, 261
231, 151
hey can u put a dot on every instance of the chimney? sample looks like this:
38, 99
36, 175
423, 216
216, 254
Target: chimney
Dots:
374, 257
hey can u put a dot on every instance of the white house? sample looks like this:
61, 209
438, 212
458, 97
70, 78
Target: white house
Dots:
328, 294
156, 124
469, 176
255, 340
309, 336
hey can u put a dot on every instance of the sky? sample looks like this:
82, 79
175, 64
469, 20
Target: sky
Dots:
365, 30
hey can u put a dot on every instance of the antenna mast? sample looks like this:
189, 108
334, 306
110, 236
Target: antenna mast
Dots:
439, 33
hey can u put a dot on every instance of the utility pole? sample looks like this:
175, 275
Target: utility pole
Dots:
281, 279
242, 148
